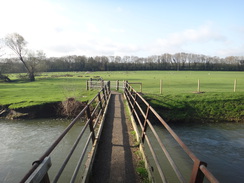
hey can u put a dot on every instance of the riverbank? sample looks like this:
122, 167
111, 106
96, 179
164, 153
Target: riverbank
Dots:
184, 108
177, 103
69, 108
199, 108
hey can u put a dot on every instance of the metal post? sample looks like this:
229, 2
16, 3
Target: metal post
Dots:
102, 84
104, 95
40, 174
90, 123
100, 101
108, 83
117, 85
197, 175
145, 124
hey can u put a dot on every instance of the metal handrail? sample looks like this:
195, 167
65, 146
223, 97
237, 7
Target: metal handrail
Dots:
101, 101
199, 169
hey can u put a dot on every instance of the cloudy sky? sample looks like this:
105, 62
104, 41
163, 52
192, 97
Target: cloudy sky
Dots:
127, 27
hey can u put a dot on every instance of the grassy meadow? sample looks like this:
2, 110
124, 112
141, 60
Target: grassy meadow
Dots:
177, 101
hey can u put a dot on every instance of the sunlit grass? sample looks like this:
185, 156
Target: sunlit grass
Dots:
177, 85
178, 82
43, 90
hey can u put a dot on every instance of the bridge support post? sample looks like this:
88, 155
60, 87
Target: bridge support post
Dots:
197, 175
108, 84
40, 174
100, 101
90, 123
145, 125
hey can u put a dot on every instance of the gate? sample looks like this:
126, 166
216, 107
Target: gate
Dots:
116, 85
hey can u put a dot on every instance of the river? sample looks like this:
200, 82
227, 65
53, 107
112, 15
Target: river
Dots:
221, 145
22, 142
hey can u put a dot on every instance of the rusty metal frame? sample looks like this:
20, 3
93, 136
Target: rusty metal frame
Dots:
199, 170
91, 117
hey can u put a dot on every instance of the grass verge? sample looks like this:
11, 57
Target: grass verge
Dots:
214, 107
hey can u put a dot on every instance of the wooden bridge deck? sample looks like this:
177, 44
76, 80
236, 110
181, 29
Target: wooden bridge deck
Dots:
114, 161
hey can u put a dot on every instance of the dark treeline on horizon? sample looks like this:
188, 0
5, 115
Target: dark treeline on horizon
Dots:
179, 61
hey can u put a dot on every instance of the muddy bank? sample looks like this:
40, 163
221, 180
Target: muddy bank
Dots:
66, 109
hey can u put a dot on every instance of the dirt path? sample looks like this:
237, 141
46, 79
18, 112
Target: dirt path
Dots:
114, 161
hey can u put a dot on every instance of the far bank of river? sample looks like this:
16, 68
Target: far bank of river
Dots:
199, 108
22, 142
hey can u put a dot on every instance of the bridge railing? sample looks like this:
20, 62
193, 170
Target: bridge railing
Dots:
145, 115
94, 114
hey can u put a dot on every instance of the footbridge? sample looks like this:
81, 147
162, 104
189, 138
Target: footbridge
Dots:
103, 151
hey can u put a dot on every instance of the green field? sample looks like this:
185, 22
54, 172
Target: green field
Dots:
217, 99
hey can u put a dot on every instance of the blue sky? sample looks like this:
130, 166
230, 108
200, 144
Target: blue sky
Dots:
127, 27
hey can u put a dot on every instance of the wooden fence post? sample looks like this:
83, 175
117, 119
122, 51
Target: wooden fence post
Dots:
161, 85
90, 84
198, 86
235, 82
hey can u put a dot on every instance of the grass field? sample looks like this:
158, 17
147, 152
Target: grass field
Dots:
177, 91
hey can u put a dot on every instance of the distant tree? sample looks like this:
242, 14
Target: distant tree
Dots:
36, 61
2, 68
17, 44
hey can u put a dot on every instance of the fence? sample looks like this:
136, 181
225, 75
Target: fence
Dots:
99, 83
143, 114
94, 113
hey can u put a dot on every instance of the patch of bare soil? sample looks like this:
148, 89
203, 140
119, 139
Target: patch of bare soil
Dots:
66, 109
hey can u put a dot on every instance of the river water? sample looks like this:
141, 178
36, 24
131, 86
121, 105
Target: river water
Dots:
22, 142
221, 145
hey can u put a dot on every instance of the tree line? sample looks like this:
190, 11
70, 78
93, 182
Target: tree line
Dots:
36, 61
179, 61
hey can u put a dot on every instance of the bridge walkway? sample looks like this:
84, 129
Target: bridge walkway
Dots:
115, 160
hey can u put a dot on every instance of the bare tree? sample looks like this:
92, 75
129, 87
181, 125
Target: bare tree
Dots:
2, 68
36, 61
18, 45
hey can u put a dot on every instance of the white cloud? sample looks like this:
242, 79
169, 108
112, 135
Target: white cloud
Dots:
236, 50
117, 30
51, 28
179, 41
92, 28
